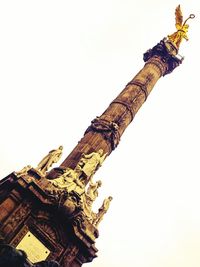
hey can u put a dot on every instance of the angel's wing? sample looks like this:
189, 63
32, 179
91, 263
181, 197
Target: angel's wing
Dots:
179, 16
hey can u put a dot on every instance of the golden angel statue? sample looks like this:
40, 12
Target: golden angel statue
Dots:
182, 28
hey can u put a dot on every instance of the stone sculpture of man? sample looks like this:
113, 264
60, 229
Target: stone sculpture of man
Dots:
89, 197
49, 160
92, 191
102, 210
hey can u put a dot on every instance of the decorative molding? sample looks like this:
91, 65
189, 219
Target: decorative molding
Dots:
143, 86
19, 236
71, 253
128, 107
156, 62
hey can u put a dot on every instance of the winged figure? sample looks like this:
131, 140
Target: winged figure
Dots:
182, 28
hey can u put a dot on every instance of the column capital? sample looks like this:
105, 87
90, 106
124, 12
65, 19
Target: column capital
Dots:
167, 53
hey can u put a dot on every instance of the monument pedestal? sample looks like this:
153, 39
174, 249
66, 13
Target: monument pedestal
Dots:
47, 226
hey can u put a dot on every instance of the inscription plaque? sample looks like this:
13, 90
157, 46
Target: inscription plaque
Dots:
34, 248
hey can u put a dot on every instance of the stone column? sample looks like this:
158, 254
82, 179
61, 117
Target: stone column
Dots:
105, 131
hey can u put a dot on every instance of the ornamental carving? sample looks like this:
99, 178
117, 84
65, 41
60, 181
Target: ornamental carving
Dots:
69, 181
70, 255
108, 129
48, 230
89, 163
18, 216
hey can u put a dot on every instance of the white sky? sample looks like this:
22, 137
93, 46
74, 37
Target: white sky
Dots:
61, 64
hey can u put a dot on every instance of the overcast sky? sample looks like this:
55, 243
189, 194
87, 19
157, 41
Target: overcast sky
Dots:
61, 64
